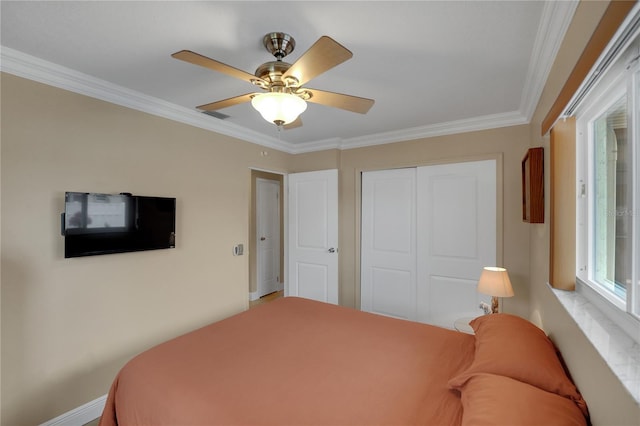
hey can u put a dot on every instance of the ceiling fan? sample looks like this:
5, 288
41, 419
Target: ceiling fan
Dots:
284, 97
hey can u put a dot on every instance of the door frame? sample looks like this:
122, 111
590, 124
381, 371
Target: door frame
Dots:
264, 188
256, 173
499, 159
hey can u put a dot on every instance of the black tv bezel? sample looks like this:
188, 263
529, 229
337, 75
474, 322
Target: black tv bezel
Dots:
116, 240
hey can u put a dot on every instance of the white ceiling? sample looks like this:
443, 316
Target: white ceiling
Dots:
433, 67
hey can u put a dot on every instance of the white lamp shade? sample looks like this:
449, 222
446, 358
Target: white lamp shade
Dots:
495, 281
279, 108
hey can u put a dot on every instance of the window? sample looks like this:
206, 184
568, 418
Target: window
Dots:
611, 218
608, 223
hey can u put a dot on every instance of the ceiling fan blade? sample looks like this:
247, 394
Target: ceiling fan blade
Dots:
338, 100
227, 102
212, 64
325, 54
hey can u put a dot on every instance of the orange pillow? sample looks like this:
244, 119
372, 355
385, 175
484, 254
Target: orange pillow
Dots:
488, 399
511, 346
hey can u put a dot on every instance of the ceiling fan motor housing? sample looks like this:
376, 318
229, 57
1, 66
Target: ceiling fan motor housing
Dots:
272, 72
279, 44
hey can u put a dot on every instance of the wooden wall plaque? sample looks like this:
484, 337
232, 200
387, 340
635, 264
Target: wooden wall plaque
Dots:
533, 186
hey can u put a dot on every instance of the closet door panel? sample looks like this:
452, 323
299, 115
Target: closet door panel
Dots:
456, 228
453, 214
391, 292
388, 244
447, 295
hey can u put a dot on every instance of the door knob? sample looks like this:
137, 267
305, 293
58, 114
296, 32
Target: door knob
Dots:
262, 238
332, 250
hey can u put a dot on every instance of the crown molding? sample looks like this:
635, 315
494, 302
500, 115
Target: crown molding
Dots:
556, 17
30, 67
554, 23
484, 122
320, 145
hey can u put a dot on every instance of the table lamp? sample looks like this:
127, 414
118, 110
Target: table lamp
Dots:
495, 282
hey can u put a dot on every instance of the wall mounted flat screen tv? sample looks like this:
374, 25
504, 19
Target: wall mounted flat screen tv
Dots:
95, 224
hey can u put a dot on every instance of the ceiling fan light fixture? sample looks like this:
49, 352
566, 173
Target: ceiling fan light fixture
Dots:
279, 108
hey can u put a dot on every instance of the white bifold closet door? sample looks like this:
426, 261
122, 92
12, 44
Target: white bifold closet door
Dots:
388, 243
427, 232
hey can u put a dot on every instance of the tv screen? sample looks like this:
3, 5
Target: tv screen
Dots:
108, 223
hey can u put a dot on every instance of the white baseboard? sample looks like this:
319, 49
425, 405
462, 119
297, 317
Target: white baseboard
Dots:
254, 295
81, 415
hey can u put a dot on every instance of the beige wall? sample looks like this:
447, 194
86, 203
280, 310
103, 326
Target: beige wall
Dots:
321, 160
69, 324
609, 402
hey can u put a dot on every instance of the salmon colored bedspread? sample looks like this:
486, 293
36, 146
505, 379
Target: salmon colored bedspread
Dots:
295, 362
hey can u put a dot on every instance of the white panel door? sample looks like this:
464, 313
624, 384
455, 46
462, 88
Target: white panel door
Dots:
456, 238
427, 232
388, 244
313, 235
267, 236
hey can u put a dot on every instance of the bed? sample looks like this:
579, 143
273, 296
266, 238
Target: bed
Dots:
296, 361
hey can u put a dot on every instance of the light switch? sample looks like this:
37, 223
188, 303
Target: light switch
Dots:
238, 250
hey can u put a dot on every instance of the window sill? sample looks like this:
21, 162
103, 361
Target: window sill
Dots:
620, 351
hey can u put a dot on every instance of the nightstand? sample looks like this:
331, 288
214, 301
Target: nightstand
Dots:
462, 325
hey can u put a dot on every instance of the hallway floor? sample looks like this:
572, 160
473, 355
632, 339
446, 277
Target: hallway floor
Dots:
266, 298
